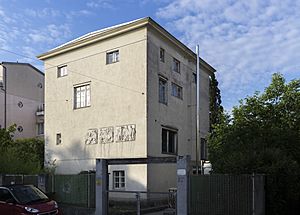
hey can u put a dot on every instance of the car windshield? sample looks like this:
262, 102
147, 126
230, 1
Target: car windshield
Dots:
28, 194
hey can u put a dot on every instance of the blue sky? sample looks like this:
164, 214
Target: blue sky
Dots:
246, 41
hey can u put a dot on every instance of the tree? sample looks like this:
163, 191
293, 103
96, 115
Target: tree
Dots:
263, 134
216, 108
22, 156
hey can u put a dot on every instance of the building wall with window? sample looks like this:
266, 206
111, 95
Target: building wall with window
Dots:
25, 94
99, 93
127, 93
171, 111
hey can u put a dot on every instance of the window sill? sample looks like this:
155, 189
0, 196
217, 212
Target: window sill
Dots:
169, 153
81, 107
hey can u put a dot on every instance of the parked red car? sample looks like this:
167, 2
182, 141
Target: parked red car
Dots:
26, 200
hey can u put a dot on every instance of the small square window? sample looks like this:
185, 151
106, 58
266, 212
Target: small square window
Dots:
112, 57
169, 141
177, 91
119, 179
62, 71
163, 88
58, 139
82, 96
162, 55
176, 65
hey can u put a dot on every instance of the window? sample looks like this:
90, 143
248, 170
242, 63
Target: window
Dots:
119, 179
82, 96
176, 91
169, 141
112, 57
162, 55
40, 128
203, 149
163, 90
5, 195
58, 139
195, 78
176, 65
62, 71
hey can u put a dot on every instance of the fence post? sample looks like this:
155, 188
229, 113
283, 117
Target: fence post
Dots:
101, 187
183, 177
42, 182
138, 203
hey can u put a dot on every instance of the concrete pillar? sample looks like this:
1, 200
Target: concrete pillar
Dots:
101, 187
183, 179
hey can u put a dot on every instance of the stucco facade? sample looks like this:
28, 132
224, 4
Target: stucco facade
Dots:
117, 71
24, 99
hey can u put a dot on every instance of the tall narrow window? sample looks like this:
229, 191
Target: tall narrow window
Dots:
169, 141
203, 149
176, 91
62, 71
162, 55
112, 57
58, 138
82, 96
119, 179
40, 128
176, 65
163, 88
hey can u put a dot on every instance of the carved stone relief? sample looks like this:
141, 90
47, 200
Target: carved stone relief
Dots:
91, 136
106, 135
110, 134
125, 133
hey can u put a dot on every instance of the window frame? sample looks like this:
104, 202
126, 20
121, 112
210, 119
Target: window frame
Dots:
115, 58
59, 71
161, 80
121, 185
40, 127
86, 95
162, 54
179, 94
58, 139
176, 65
167, 143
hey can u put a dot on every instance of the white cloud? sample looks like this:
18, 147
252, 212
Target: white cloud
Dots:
51, 34
246, 41
44, 13
107, 4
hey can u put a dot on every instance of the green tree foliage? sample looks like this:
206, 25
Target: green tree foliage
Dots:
22, 156
263, 135
216, 108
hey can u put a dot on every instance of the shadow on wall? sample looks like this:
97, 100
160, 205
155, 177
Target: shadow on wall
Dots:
68, 159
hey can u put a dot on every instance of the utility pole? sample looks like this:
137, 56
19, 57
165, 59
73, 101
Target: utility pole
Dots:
198, 110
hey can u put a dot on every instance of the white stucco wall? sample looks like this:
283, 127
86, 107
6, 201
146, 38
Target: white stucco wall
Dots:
118, 97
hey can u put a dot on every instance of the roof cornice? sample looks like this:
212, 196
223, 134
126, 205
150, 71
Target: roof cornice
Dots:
95, 38
147, 21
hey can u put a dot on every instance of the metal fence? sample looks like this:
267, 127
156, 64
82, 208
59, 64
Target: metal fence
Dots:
76, 190
226, 195
139, 202
7, 179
